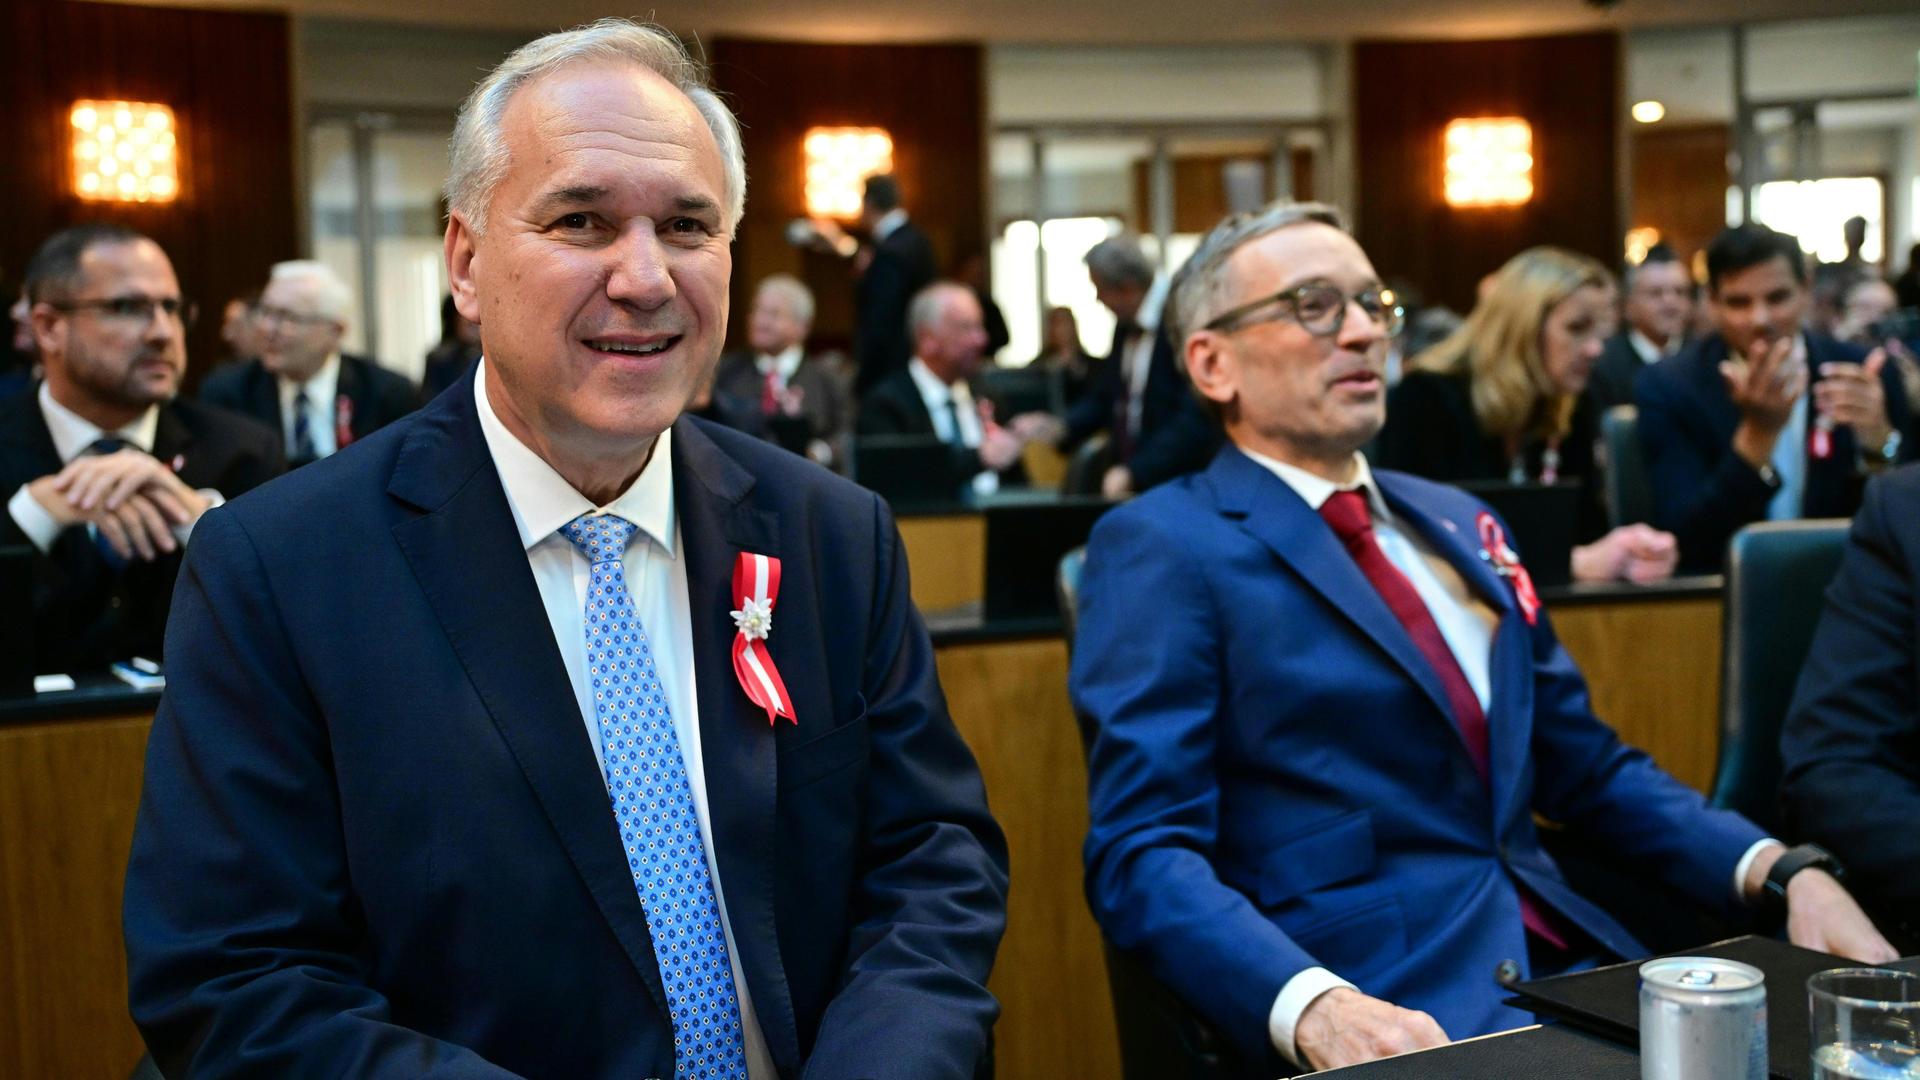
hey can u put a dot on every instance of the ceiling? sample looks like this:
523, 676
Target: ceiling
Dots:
1083, 21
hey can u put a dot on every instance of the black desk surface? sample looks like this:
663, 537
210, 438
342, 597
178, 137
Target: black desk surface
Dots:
95, 693
1552, 1050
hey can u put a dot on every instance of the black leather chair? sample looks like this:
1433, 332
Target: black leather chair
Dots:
1629, 493
1777, 578
1160, 1037
1087, 467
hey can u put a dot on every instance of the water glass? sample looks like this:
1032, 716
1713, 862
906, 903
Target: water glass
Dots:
1865, 1024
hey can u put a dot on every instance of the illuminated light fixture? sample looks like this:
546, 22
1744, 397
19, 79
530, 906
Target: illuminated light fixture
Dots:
1639, 242
123, 151
1489, 162
1649, 112
838, 162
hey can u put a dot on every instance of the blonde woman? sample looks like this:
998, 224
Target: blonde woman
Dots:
1503, 398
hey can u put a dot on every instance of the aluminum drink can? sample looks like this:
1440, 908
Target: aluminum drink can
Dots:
1702, 1018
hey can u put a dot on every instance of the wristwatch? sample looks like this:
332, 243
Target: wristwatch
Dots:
1791, 862
1890, 450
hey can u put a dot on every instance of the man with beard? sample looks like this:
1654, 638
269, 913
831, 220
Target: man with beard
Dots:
108, 471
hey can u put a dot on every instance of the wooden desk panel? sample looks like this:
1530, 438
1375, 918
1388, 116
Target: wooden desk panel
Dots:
947, 558
68, 792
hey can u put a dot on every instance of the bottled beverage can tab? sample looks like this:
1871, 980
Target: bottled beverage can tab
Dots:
1702, 1018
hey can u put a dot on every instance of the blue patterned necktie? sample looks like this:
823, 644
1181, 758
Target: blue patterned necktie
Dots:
303, 448
653, 805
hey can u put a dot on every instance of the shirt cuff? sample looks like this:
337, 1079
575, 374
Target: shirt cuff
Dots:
1746, 863
1301, 991
183, 533
33, 519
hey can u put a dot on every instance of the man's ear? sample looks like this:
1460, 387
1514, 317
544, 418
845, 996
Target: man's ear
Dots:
49, 325
460, 257
1210, 368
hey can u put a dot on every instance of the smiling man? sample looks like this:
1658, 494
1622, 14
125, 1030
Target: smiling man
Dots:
545, 790
1325, 722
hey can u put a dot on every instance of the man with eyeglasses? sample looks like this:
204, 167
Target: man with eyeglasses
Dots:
1328, 706
106, 470
319, 398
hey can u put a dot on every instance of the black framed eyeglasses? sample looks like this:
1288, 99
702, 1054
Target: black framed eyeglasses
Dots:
134, 310
1319, 308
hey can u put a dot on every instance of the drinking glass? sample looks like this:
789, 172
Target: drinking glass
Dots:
1865, 1024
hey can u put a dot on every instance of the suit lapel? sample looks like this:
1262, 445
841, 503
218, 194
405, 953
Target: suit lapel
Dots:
264, 389
1276, 516
737, 746
466, 554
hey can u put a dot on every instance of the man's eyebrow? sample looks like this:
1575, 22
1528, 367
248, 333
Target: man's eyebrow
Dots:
572, 195
694, 204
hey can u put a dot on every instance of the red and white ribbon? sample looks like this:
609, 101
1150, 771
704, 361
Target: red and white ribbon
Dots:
1506, 563
756, 588
342, 422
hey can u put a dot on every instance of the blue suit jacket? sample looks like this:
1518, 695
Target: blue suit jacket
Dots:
374, 840
1276, 783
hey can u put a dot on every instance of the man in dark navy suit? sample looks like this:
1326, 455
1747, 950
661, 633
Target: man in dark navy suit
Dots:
1763, 419
548, 731
1326, 719
899, 263
1850, 754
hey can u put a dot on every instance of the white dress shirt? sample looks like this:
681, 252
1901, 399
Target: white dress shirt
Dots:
889, 223
782, 365
542, 502
72, 434
935, 395
1469, 636
1649, 352
322, 391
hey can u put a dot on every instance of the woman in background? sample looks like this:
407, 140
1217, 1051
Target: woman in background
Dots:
1503, 398
1063, 357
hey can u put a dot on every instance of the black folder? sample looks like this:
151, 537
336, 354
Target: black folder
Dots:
1551, 1051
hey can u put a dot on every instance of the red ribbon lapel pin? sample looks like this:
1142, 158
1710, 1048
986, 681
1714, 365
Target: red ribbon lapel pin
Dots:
1506, 563
342, 422
756, 588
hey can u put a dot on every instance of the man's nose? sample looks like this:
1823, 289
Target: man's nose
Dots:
1359, 329
639, 274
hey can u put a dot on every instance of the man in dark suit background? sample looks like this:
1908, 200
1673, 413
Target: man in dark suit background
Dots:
456, 721
1658, 305
1763, 419
799, 400
934, 395
319, 398
1850, 753
1325, 720
107, 471
900, 263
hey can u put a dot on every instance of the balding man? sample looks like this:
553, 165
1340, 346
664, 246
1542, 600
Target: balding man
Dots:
550, 732
794, 398
319, 398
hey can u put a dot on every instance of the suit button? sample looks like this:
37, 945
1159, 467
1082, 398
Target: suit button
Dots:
1506, 973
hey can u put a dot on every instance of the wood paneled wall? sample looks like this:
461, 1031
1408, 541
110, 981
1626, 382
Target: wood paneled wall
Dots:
226, 76
930, 98
1680, 183
1404, 94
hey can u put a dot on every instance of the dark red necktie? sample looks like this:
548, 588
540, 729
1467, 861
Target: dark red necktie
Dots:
1352, 521
770, 392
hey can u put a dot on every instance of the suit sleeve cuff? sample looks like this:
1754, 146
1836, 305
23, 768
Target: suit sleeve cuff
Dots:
1746, 863
33, 520
1300, 991
183, 533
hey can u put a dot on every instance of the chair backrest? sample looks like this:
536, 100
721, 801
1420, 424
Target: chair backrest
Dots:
1067, 585
1777, 578
1629, 492
1087, 467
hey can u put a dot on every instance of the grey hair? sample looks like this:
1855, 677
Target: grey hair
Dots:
479, 152
1118, 260
929, 303
331, 295
794, 290
1200, 288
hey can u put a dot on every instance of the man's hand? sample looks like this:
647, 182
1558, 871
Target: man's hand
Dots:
1346, 1027
1117, 484
1852, 395
1764, 387
1821, 915
999, 448
1638, 553
99, 482
1039, 427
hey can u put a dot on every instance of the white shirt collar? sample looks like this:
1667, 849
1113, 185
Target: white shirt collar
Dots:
889, 221
542, 501
786, 362
1648, 351
1316, 490
73, 433
324, 386
934, 392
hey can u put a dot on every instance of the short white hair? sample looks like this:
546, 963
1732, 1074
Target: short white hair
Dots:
332, 298
793, 290
479, 150
929, 305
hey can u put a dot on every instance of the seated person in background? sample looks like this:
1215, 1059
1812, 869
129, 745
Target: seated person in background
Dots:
1314, 769
1155, 429
1502, 399
1658, 306
302, 385
106, 470
933, 394
238, 330
798, 400
1065, 360
1762, 419
455, 355
1850, 754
